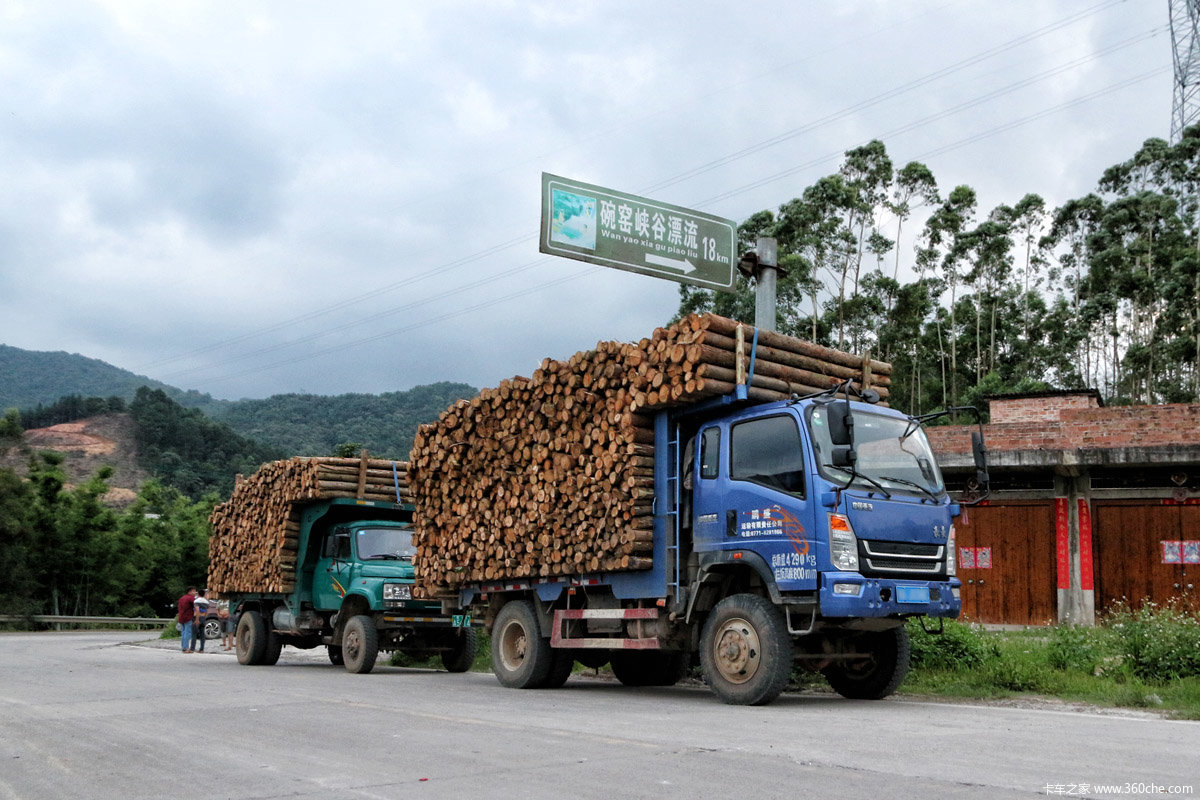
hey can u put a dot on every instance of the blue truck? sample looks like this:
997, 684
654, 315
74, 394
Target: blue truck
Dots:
803, 531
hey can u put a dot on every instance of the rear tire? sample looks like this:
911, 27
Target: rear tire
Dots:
648, 668
251, 639
465, 646
521, 658
880, 673
360, 644
746, 651
335, 655
560, 670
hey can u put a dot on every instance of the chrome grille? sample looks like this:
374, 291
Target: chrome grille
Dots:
901, 558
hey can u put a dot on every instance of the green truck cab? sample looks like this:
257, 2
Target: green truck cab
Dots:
352, 593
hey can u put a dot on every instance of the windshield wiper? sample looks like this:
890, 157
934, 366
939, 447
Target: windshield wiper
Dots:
386, 557
907, 482
855, 474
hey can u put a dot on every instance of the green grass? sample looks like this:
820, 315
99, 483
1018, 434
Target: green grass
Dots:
1148, 658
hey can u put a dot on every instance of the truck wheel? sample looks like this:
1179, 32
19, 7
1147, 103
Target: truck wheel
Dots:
273, 648
521, 658
360, 644
880, 673
746, 651
634, 668
464, 648
560, 669
251, 639
335, 655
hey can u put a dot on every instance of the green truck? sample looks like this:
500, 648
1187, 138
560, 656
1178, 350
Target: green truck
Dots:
328, 570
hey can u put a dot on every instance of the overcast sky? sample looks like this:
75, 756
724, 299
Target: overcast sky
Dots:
255, 198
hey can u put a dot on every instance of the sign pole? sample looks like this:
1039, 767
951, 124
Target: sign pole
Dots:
764, 283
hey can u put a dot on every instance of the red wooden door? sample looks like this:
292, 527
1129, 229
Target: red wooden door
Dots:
1146, 551
1006, 563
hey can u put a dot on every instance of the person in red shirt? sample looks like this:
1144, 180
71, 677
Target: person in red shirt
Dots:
187, 619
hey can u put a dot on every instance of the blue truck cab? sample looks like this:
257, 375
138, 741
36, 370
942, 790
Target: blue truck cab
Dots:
830, 541
798, 532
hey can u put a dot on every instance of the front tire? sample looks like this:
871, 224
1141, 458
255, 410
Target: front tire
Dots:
521, 658
360, 644
878, 674
746, 651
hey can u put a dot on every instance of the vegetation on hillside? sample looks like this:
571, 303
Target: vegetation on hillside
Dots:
62, 551
1102, 292
305, 424
33, 378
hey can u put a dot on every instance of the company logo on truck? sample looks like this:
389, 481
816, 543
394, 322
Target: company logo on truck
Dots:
774, 521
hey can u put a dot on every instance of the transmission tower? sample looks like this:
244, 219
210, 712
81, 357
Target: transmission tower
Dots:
1185, 40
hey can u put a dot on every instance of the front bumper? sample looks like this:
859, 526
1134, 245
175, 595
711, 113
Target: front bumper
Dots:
887, 597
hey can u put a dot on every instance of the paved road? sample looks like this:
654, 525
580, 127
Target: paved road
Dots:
93, 715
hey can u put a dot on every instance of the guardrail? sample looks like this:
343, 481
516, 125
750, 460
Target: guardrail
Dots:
63, 619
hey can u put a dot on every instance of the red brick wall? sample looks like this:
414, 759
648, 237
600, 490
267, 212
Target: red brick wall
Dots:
1082, 428
1030, 409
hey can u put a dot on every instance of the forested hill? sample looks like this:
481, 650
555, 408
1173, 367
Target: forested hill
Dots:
53, 388
306, 424
32, 378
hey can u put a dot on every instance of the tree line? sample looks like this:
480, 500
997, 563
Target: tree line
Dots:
64, 551
1102, 292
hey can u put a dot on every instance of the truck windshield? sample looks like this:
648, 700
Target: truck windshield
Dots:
385, 543
892, 452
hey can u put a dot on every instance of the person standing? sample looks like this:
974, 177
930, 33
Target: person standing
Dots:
226, 624
187, 617
200, 613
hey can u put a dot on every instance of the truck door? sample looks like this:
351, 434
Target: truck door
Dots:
757, 497
332, 571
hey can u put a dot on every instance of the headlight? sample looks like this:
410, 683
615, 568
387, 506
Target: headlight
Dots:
951, 555
843, 544
397, 591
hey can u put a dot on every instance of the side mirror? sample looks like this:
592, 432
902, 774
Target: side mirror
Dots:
841, 425
979, 452
843, 455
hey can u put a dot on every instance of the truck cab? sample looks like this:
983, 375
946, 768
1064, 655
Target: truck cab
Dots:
830, 537
352, 593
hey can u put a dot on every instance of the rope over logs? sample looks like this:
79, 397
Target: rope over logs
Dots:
553, 474
255, 532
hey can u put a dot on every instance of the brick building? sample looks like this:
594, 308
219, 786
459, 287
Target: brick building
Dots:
1089, 506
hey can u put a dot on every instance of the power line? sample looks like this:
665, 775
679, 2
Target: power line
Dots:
778, 139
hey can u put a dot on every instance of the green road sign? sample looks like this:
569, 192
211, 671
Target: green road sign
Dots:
619, 230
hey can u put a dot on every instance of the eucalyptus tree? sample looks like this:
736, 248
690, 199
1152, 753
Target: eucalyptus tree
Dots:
990, 244
914, 187
942, 253
1070, 241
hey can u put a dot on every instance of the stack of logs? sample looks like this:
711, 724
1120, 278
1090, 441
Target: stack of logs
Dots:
553, 475
256, 531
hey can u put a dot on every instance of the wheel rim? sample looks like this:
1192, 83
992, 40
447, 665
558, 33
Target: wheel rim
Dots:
514, 644
736, 650
351, 646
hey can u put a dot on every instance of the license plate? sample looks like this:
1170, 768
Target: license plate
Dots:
912, 594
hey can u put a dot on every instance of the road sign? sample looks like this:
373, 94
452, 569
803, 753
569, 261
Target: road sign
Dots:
632, 233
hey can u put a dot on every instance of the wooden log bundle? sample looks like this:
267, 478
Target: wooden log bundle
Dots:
255, 532
553, 474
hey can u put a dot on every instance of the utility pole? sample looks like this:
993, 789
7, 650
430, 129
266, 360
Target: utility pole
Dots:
762, 264
1185, 42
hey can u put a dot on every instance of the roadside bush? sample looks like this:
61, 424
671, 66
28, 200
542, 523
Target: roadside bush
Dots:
1074, 648
958, 647
1158, 643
